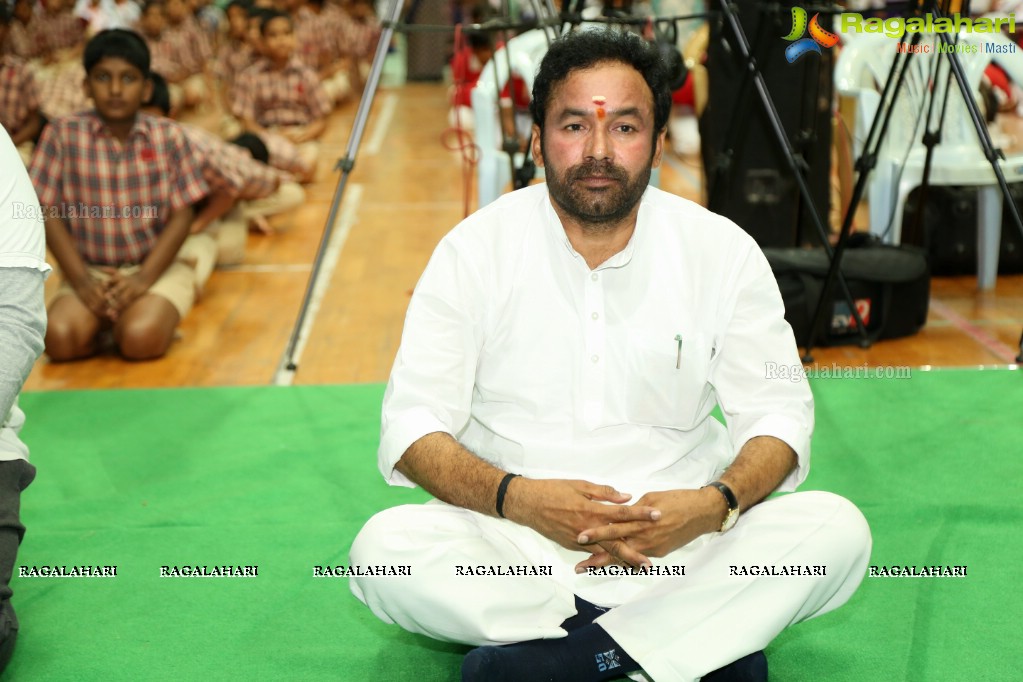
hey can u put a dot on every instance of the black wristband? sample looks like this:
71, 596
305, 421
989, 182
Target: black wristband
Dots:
730, 499
501, 491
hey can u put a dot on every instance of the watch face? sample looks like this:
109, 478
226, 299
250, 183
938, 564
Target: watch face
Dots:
733, 516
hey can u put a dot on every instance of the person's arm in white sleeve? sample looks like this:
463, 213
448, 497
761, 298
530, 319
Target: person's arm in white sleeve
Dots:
22, 328
431, 383
757, 399
23, 269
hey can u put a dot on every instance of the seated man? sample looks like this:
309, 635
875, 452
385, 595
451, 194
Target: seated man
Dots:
116, 189
562, 355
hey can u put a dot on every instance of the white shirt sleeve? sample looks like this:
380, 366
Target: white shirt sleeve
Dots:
754, 400
22, 237
22, 271
431, 383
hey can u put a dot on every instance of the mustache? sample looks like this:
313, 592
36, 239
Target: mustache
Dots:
598, 169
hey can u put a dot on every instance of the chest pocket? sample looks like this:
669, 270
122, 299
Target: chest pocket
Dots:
663, 387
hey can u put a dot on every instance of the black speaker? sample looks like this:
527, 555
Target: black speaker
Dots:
427, 52
948, 231
753, 185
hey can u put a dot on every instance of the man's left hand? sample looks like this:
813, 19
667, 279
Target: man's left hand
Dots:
685, 515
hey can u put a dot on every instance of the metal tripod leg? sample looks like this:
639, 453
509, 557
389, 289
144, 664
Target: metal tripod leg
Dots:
797, 173
864, 165
990, 152
289, 361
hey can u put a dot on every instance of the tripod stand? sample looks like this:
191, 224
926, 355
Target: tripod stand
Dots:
316, 285
753, 76
289, 361
893, 87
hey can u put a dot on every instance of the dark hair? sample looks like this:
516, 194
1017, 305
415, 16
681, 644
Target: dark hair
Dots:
161, 94
244, 5
479, 40
269, 16
120, 43
586, 48
5, 14
150, 4
259, 12
254, 144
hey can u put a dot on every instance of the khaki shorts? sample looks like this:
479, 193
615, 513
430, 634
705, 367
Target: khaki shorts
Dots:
177, 284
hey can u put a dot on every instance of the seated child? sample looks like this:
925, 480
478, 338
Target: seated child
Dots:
21, 39
152, 26
283, 154
318, 30
361, 34
280, 94
59, 32
116, 189
235, 54
190, 49
63, 94
242, 188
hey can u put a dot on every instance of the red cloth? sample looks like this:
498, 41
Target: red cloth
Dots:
685, 94
466, 76
998, 79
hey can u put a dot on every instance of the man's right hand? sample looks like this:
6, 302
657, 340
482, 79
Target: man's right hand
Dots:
561, 509
93, 294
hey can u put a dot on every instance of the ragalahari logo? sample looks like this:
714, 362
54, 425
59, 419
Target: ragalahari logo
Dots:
818, 36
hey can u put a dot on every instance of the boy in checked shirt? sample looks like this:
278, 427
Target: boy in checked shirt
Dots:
22, 38
281, 94
234, 55
116, 189
59, 32
191, 49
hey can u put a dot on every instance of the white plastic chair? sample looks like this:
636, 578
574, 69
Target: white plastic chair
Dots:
860, 72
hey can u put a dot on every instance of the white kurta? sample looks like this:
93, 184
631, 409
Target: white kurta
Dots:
549, 369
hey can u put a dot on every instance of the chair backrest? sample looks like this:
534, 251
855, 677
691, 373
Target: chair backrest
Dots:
864, 65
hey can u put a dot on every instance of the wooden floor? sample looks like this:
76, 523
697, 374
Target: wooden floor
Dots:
405, 192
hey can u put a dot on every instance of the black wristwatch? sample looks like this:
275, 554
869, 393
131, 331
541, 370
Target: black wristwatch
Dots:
733, 505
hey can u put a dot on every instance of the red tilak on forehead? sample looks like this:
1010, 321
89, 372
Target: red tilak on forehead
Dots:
600, 101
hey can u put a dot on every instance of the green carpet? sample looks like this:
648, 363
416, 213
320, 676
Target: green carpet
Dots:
283, 478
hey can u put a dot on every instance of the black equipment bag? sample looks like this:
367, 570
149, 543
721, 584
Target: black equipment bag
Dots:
890, 285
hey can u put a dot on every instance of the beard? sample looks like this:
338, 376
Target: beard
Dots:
601, 208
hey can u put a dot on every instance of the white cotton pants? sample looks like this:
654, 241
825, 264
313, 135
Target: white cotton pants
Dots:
678, 627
